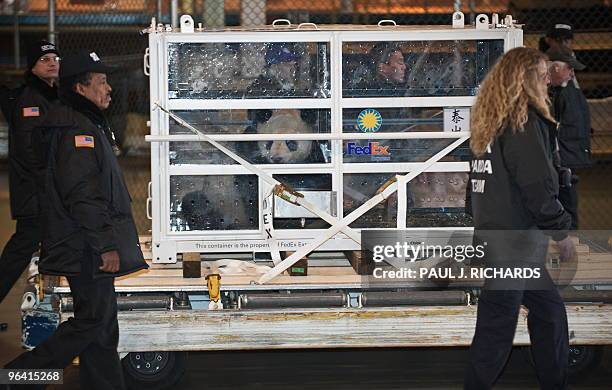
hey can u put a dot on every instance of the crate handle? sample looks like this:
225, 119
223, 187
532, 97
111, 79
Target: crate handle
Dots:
277, 22
146, 64
308, 24
148, 208
387, 21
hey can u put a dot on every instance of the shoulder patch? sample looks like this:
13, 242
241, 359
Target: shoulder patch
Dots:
30, 112
84, 141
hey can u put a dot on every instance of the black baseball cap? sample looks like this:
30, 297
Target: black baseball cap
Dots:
84, 62
561, 31
566, 55
38, 50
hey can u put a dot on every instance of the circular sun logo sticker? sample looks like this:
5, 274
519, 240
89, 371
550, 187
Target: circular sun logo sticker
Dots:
369, 120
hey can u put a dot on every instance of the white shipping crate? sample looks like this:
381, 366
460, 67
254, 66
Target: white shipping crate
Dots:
314, 109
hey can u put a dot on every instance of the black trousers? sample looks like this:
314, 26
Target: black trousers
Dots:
18, 252
568, 196
498, 312
92, 335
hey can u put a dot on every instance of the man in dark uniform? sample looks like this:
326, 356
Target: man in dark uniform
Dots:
280, 74
89, 234
30, 108
571, 110
383, 74
389, 70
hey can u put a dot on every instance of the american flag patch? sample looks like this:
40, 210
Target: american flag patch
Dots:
31, 111
83, 141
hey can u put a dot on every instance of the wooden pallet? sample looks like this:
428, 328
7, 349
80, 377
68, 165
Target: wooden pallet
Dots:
591, 269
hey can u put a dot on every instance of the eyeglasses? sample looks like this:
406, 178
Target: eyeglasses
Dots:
44, 60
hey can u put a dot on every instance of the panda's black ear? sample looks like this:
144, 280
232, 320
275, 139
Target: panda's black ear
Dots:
309, 116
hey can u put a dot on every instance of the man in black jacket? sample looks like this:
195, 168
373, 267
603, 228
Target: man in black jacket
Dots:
89, 234
279, 77
571, 110
30, 108
383, 74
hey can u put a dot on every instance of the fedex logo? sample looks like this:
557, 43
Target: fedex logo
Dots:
373, 149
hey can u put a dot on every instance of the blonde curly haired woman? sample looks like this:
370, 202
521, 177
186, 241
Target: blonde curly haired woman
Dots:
514, 190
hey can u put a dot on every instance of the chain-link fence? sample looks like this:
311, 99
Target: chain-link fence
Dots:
111, 28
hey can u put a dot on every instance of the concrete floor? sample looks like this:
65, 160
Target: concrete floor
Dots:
385, 368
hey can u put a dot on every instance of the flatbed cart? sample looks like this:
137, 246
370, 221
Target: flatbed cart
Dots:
163, 315
274, 151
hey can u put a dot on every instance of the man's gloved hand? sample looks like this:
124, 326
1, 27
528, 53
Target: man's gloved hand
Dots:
567, 249
110, 261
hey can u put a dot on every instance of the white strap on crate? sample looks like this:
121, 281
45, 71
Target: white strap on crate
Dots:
268, 224
344, 222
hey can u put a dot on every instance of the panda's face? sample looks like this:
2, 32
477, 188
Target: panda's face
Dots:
285, 151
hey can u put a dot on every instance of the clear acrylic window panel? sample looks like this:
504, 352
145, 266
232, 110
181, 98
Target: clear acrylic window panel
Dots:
422, 68
434, 199
215, 202
358, 188
304, 183
438, 199
250, 122
401, 150
248, 70
392, 120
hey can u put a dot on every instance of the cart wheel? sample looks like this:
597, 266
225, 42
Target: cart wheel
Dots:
153, 370
582, 360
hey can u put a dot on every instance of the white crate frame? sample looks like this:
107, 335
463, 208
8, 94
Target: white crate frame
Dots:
167, 244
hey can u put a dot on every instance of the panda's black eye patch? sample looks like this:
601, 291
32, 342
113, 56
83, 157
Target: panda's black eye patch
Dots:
269, 145
292, 145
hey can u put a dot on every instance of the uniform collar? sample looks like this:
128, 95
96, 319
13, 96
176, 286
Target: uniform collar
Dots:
48, 91
84, 106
